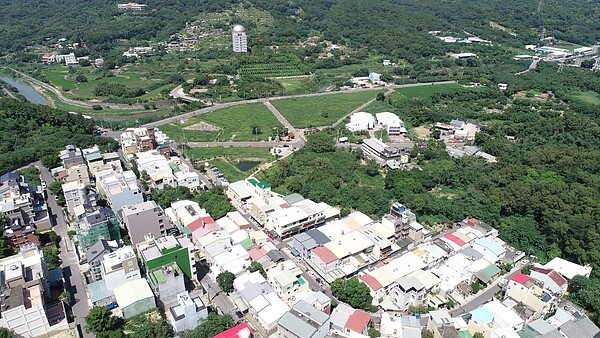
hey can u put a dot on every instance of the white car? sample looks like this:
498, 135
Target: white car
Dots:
44, 184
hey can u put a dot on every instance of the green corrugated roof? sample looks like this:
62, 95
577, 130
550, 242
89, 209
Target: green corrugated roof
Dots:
159, 276
464, 334
185, 231
491, 270
246, 243
256, 183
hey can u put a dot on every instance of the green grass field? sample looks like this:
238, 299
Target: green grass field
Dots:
426, 91
322, 110
293, 85
227, 159
235, 123
588, 97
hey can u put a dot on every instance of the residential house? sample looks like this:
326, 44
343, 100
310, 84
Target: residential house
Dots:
120, 189
119, 267
239, 193
303, 215
493, 316
76, 194
304, 321
71, 156
526, 291
405, 326
167, 283
551, 279
94, 256
304, 242
242, 330
391, 123
286, 280
380, 152
346, 321
134, 297
414, 289
254, 295
188, 312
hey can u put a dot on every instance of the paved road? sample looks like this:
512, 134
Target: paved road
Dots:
186, 161
259, 144
83, 104
70, 264
284, 121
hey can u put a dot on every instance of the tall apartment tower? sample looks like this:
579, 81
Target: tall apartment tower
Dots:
240, 44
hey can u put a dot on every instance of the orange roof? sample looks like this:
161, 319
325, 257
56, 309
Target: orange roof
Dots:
324, 254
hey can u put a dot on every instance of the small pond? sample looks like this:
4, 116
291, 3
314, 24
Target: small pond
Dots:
246, 165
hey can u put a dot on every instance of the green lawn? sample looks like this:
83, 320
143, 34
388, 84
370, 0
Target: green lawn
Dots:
588, 97
235, 123
227, 159
322, 110
293, 85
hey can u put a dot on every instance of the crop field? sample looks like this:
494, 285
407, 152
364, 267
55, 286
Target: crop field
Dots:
322, 110
234, 123
409, 93
270, 70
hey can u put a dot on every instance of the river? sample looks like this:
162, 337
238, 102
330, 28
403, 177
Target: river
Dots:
26, 90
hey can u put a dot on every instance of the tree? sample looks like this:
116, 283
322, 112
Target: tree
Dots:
225, 280
5, 250
353, 292
380, 97
149, 324
427, 334
6, 333
256, 266
476, 287
71, 233
81, 78
478, 335
51, 257
100, 320
373, 332
212, 325
526, 270
321, 142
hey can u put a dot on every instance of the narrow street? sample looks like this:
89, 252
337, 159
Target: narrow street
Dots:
73, 279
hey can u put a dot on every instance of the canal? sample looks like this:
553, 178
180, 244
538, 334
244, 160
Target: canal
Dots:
26, 90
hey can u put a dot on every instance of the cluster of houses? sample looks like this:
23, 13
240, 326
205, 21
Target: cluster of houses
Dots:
466, 40
137, 52
390, 122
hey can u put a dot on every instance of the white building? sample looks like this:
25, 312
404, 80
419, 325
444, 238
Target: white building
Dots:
183, 213
120, 267
240, 40
132, 6
76, 195
361, 121
157, 168
295, 219
187, 313
286, 280
375, 77
568, 269
391, 123
254, 294
121, 189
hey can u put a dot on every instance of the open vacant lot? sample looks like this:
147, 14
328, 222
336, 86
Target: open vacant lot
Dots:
236, 123
588, 97
409, 93
321, 110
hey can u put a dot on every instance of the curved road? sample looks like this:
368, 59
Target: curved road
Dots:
82, 104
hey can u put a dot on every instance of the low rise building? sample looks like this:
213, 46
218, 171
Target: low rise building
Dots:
132, 6
551, 279
304, 321
77, 173
242, 330
301, 216
134, 297
379, 151
568, 269
361, 121
527, 291
94, 256
188, 312
120, 189
167, 283
347, 321
77, 195
71, 156
286, 280
253, 294
391, 123
119, 267
240, 192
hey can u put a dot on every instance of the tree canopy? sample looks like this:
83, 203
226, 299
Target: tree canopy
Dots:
225, 280
211, 326
354, 292
101, 321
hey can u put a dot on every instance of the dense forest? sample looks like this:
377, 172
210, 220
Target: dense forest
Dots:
30, 132
395, 27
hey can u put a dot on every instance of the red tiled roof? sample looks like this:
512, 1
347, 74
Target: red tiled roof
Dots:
520, 278
324, 254
358, 321
555, 276
256, 253
200, 222
284, 206
371, 282
455, 239
234, 331
472, 221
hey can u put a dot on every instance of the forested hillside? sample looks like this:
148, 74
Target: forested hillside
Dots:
388, 26
29, 132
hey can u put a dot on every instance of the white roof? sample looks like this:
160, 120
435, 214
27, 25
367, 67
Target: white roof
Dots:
240, 188
349, 244
388, 119
335, 229
568, 269
288, 215
131, 292
503, 316
361, 116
